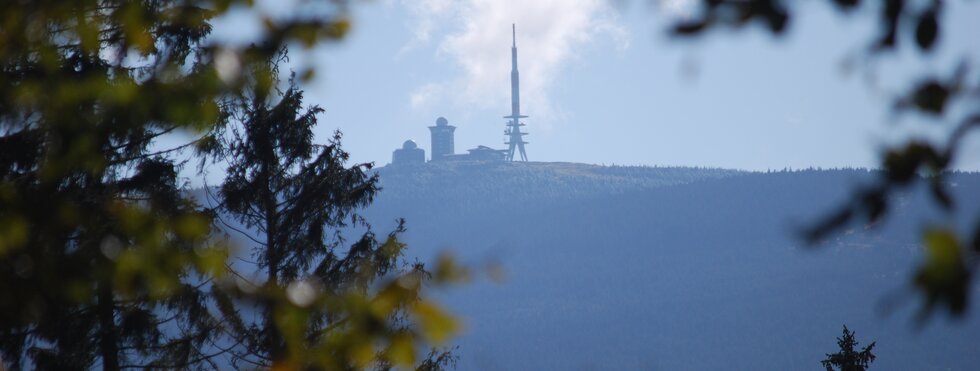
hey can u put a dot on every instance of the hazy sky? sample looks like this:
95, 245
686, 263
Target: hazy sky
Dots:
603, 84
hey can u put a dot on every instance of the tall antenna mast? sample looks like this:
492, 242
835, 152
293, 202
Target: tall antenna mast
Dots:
515, 138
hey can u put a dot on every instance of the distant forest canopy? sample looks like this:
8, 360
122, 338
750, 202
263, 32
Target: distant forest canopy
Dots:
538, 183
505, 186
640, 267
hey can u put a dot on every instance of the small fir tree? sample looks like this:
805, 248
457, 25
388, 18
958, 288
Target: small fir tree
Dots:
847, 359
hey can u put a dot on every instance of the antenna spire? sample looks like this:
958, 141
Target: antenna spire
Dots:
515, 136
513, 27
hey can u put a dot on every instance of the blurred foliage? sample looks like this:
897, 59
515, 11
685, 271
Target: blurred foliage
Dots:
848, 359
944, 277
104, 260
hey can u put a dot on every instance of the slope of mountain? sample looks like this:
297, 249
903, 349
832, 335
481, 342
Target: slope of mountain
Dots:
630, 268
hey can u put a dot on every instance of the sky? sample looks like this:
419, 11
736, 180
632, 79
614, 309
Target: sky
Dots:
604, 84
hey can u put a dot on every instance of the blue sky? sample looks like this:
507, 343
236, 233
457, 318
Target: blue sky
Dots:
603, 84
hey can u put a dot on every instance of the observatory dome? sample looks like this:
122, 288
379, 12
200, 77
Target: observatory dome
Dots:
410, 144
441, 121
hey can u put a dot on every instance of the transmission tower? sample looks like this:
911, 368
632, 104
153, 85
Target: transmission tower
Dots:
515, 137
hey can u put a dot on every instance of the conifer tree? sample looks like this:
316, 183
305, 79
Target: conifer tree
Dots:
848, 359
324, 304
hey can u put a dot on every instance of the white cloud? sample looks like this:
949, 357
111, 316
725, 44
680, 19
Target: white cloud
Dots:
678, 8
426, 13
424, 95
476, 36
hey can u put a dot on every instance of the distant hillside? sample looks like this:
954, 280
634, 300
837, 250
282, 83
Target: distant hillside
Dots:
634, 268
458, 188
535, 180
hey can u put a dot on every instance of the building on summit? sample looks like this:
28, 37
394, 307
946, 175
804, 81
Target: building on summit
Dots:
443, 146
410, 153
484, 153
442, 134
442, 139
443, 143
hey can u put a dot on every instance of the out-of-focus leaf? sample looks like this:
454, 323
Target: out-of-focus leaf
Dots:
940, 194
827, 225
903, 164
307, 75
778, 19
942, 250
890, 14
976, 238
943, 278
449, 270
436, 325
13, 234
401, 351
338, 28
193, 226
875, 204
690, 27
927, 30
362, 354
930, 97
847, 4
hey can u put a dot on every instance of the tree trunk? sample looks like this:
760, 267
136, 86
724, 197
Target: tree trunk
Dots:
107, 328
274, 340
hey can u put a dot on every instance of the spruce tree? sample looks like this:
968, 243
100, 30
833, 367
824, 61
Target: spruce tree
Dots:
341, 299
848, 359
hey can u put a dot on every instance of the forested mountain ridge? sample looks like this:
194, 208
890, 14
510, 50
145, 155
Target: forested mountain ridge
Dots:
539, 179
673, 268
450, 186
